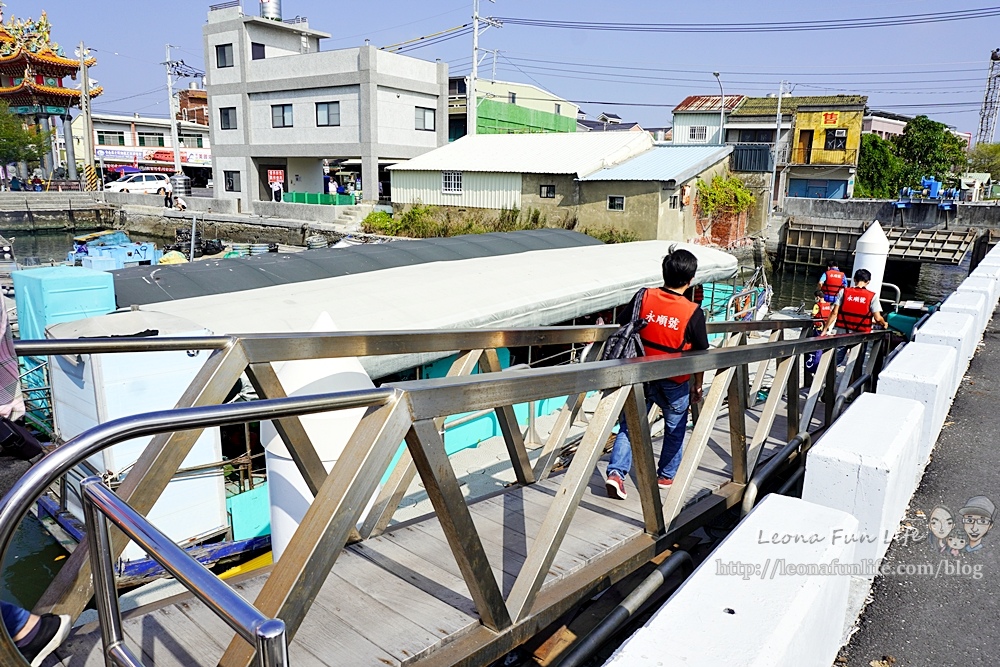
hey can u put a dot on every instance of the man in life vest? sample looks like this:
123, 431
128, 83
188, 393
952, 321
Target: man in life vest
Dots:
673, 324
856, 307
832, 281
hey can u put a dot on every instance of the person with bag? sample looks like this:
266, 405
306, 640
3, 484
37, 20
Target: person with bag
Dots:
666, 323
15, 439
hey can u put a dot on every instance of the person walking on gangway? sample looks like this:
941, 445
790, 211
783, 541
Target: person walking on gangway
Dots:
832, 281
674, 324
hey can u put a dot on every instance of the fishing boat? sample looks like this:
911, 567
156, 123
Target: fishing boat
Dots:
248, 493
111, 249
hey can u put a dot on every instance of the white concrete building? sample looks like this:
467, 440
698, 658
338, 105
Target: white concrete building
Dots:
278, 104
145, 143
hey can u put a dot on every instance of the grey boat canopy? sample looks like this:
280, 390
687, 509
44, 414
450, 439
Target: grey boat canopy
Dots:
143, 285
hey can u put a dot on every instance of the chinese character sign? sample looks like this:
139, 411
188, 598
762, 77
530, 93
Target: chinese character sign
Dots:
831, 118
275, 176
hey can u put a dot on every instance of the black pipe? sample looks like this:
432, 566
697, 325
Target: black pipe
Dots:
597, 637
770, 467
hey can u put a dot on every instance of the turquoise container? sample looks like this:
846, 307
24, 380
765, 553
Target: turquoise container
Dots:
51, 295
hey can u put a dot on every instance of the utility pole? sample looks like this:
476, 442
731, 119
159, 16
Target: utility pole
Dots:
471, 110
179, 69
88, 120
777, 139
722, 110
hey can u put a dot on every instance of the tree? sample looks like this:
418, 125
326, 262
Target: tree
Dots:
880, 171
18, 142
985, 158
927, 148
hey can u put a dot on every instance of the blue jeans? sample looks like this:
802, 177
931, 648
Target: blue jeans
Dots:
14, 618
673, 399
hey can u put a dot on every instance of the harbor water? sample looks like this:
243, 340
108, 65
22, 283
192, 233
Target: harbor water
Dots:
35, 557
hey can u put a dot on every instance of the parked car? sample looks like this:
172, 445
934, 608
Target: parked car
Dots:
142, 182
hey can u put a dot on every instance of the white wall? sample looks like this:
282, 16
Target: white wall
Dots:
397, 121
683, 121
307, 64
479, 190
305, 131
221, 75
220, 136
304, 175
222, 164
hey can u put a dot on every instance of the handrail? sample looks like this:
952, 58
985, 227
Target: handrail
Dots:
100, 503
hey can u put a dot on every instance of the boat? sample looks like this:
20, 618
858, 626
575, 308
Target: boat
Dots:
111, 249
520, 279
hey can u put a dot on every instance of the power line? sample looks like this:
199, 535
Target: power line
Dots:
777, 26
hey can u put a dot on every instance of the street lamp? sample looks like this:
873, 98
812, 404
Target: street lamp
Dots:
722, 110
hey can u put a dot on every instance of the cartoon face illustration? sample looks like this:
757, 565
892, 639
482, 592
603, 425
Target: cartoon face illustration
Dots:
956, 541
941, 522
977, 519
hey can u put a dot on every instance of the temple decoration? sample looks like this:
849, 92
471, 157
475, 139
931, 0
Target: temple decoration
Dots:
34, 69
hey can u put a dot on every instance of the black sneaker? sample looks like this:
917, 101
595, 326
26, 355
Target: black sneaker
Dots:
52, 632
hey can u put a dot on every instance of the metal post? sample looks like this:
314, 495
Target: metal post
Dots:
777, 138
67, 124
272, 649
88, 121
105, 590
470, 92
722, 110
194, 229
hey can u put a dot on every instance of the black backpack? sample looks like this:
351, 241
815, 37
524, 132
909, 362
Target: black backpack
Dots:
625, 343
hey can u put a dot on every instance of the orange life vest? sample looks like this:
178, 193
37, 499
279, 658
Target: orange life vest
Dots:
835, 280
855, 313
667, 315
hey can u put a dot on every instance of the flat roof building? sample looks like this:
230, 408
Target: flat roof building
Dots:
279, 107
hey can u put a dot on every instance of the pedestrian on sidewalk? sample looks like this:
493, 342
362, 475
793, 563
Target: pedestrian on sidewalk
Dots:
168, 198
36, 637
276, 190
674, 324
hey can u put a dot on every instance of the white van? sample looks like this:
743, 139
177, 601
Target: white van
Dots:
145, 183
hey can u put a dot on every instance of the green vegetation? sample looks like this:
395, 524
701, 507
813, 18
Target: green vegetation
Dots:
926, 148
421, 222
985, 158
724, 196
19, 142
879, 170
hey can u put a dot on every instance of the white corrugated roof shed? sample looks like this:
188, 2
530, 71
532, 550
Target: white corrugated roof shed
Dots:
677, 162
579, 153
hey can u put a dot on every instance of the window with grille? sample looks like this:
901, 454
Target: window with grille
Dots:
836, 140
224, 55
616, 203
451, 182
106, 138
150, 139
327, 114
281, 115
698, 133
424, 118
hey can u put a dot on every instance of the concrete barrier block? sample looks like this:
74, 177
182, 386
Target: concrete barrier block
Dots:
990, 260
955, 330
743, 608
866, 465
923, 373
970, 303
987, 286
990, 271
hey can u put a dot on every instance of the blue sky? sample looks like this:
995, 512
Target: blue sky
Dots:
938, 69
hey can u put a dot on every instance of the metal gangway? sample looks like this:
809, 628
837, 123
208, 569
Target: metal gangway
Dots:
479, 576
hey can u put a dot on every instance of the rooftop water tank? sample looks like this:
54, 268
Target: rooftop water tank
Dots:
270, 9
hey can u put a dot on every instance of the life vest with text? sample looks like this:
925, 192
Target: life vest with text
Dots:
667, 315
835, 280
855, 313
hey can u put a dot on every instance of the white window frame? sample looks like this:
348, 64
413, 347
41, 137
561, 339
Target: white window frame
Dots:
618, 210
451, 182
693, 132
420, 119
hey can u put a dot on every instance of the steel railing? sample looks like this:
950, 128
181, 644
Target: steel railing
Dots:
413, 410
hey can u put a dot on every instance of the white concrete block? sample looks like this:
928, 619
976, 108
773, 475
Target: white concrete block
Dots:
987, 286
732, 611
990, 260
991, 271
866, 465
956, 330
970, 303
923, 373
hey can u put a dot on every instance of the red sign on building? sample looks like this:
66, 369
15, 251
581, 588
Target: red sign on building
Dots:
831, 118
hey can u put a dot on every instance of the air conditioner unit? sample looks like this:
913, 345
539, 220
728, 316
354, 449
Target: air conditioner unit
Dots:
840, 133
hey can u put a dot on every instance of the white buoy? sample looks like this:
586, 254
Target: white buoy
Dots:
329, 432
872, 252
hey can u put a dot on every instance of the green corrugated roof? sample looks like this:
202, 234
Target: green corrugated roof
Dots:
763, 106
